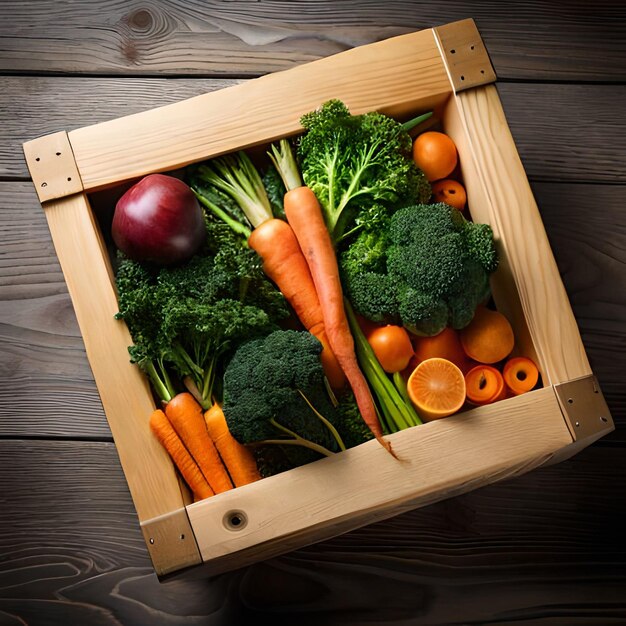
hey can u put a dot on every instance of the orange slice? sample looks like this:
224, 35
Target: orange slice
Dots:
484, 385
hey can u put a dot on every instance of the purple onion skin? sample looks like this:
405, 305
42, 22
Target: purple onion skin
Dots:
158, 220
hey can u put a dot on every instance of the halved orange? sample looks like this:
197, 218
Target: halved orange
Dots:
436, 388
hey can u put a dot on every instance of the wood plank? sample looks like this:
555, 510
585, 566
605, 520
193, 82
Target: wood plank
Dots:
528, 41
545, 546
47, 388
245, 115
527, 287
514, 436
562, 131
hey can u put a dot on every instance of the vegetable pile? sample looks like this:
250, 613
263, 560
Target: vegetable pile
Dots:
334, 295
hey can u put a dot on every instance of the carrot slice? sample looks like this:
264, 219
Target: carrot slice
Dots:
484, 385
520, 375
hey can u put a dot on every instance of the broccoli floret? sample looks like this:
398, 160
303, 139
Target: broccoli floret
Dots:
356, 162
428, 269
274, 392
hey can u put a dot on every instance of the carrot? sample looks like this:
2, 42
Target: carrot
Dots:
165, 433
304, 214
186, 417
283, 262
238, 459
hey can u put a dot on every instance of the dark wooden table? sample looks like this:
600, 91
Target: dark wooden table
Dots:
546, 548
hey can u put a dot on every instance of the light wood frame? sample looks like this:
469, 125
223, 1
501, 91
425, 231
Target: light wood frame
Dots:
446, 69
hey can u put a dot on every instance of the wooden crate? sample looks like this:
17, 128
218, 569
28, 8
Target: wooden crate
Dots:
446, 69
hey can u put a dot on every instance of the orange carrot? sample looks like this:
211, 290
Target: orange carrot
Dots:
186, 417
304, 214
238, 459
188, 468
283, 262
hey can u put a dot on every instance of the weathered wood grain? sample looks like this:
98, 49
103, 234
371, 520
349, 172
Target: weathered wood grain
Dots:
525, 40
46, 387
545, 546
563, 132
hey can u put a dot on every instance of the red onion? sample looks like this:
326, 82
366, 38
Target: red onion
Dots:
158, 220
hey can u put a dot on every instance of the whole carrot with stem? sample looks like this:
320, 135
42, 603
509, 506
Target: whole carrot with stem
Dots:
274, 241
187, 418
284, 263
165, 433
304, 215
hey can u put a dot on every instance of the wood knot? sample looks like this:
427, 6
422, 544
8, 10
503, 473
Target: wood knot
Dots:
140, 20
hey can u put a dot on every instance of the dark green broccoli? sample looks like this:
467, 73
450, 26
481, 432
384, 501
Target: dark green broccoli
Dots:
428, 269
275, 393
189, 316
357, 164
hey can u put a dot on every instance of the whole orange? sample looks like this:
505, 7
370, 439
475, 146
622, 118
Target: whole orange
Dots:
488, 338
435, 154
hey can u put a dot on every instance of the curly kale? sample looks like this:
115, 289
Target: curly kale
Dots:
357, 165
427, 269
186, 318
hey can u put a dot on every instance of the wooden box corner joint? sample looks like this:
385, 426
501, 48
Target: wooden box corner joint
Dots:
465, 55
584, 408
52, 166
171, 542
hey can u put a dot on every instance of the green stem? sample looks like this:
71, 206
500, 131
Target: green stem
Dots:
392, 403
285, 163
159, 387
400, 384
297, 440
237, 176
416, 121
238, 227
333, 430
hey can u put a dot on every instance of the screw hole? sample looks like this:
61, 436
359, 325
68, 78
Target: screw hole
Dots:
462, 77
603, 419
58, 154
453, 51
151, 540
37, 159
570, 401
577, 424
482, 71
235, 520
182, 537
69, 178
471, 47
44, 184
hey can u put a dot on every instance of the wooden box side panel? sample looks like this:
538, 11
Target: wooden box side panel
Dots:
365, 484
397, 76
528, 287
125, 394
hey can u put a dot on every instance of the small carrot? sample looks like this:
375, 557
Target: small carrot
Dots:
283, 262
186, 417
238, 459
165, 433
304, 214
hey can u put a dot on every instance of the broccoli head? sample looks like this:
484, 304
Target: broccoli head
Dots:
427, 269
274, 393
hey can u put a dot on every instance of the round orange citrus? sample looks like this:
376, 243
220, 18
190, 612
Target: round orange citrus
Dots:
435, 154
488, 338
